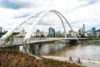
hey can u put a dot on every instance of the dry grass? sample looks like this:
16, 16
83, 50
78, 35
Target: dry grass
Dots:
10, 58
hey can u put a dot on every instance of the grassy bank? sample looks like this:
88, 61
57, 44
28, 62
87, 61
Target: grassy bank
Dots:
10, 58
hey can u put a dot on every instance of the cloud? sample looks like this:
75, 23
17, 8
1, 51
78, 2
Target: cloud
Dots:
77, 12
89, 2
86, 15
14, 4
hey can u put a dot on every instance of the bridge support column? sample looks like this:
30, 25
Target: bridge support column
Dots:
73, 42
25, 48
39, 49
35, 49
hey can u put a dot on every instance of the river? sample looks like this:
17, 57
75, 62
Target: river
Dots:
87, 50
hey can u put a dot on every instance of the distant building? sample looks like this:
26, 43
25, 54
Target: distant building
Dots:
51, 31
22, 33
84, 29
58, 33
44, 33
98, 33
89, 33
39, 33
70, 32
73, 33
0, 29
93, 31
37, 30
81, 31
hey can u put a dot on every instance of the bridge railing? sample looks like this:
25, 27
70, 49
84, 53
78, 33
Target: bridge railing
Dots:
18, 41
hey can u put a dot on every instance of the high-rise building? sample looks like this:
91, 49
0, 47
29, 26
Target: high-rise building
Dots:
0, 29
51, 31
84, 29
93, 31
98, 33
81, 31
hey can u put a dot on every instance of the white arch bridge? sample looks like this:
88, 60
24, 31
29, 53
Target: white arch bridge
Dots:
37, 18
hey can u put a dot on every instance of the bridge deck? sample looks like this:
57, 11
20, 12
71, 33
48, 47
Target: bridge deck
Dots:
20, 41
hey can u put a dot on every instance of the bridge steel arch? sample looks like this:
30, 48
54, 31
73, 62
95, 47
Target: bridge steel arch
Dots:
28, 35
64, 19
41, 14
20, 24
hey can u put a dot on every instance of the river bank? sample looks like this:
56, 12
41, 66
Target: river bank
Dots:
9, 58
85, 62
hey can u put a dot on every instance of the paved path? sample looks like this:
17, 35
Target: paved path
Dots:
85, 62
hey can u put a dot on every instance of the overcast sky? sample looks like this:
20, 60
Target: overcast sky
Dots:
77, 12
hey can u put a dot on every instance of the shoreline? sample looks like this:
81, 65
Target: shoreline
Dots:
85, 62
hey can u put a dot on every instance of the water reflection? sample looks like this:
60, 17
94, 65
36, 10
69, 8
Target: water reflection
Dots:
87, 51
49, 49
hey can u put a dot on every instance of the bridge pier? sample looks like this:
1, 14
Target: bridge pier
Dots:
73, 42
32, 48
25, 48
38, 49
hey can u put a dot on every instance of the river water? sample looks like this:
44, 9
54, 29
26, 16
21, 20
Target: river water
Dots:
87, 50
